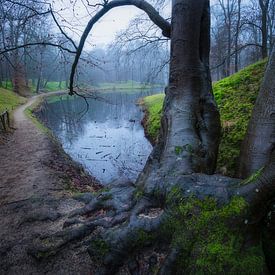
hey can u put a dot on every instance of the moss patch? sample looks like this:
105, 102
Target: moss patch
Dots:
153, 109
236, 96
98, 249
253, 177
207, 239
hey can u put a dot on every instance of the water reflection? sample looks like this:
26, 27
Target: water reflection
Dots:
108, 140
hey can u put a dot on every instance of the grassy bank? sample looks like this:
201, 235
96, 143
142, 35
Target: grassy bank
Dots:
53, 86
9, 100
151, 122
235, 96
125, 85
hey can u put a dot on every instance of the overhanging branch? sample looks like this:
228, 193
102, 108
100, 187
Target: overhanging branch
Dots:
163, 24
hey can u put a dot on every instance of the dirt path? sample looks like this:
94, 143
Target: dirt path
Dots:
33, 201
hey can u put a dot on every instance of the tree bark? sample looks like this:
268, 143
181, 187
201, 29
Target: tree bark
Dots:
237, 37
190, 126
260, 136
264, 5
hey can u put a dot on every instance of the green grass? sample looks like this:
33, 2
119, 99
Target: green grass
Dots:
54, 86
7, 85
236, 96
9, 100
29, 112
51, 86
153, 106
127, 85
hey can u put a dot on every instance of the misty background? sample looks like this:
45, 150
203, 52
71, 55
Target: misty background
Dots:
38, 46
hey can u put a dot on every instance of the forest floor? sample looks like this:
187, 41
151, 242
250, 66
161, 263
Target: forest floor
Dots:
35, 200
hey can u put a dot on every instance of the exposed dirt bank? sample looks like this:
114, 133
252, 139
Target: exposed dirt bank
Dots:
34, 200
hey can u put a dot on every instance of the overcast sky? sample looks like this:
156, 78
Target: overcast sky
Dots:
105, 30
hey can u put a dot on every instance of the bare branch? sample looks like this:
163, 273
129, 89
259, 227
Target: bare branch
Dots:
141, 4
37, 44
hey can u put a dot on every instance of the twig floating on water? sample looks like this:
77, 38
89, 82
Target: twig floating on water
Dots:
106, 155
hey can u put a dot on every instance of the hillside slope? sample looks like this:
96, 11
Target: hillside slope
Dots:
9, 100
235, 96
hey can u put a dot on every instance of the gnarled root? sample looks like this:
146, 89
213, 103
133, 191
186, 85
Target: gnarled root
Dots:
134, 229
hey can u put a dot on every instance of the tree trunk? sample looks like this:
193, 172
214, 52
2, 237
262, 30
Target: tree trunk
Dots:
229, 32
237, 37
264, 5
190, 126
260, 136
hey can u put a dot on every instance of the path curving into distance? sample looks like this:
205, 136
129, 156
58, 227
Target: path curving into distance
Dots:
33, 201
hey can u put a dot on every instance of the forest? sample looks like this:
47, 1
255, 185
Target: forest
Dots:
137, 137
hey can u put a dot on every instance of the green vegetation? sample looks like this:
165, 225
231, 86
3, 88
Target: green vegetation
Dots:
235, 96
98, 248
206, 238
55, 86
29, 112
9, 100
127, 85
7, 85
153, 106
253, 177
50, 87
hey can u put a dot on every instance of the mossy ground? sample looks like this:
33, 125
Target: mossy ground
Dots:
235, 96
9, 100
153, 107
208, 237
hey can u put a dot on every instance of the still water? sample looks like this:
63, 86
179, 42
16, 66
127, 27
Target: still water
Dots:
108, 140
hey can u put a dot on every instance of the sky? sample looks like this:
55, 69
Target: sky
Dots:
104, 31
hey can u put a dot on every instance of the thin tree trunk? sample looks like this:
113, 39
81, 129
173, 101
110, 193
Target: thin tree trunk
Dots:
264, 30
229, 27
237, 37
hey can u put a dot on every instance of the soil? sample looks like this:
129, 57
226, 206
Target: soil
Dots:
36, 182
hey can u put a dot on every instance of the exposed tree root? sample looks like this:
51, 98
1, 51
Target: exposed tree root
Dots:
126, 219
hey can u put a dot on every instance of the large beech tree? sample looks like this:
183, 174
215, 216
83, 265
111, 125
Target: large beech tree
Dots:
180, 217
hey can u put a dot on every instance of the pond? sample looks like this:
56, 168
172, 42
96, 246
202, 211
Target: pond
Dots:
108, 140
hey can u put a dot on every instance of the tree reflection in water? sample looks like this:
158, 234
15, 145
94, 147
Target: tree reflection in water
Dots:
108, 140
